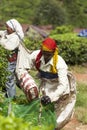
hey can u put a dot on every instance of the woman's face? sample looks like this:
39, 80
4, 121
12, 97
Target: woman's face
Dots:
9, 30
47, 55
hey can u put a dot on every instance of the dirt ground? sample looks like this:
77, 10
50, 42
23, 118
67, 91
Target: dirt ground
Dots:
74, 124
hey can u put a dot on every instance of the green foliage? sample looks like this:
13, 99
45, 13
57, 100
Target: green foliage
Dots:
76, 15
21, 10
55, 12
62, 29
50, 11
71, 47
32, 44
26, 115
13, 123
3, 66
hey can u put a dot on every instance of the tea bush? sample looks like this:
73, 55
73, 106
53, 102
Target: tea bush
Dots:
3, 66
71, 47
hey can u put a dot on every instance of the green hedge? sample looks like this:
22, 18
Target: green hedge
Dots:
3, 66
72, 48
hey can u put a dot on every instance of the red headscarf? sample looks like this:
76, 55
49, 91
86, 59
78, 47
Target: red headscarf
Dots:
49, 44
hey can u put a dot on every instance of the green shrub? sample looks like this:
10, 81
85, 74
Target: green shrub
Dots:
72, 48
32, 44
28, 115
62, 29
3, 66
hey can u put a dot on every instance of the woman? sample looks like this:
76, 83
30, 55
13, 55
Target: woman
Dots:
10, 39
